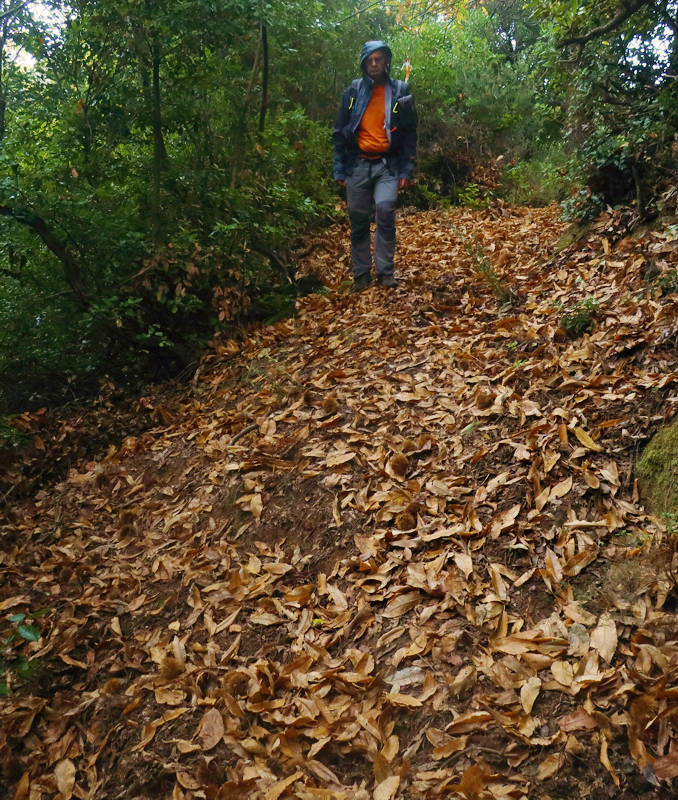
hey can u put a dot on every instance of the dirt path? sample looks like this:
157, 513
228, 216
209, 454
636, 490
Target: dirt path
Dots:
390, 548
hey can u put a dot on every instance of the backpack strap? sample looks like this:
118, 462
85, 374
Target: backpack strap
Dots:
353, 92
402, 89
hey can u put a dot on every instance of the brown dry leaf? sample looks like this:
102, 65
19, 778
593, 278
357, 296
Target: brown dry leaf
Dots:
387, 789
256, 506
264, 618
187, 781
552, 566
473, 781
164, 695
605, 761
529, 693
64, 772
390, 749
666, 767
573, 566
586, 440
11, 602
403, 700
465, 563
22, 787
504, 520
401, 605
577, 720
563, 672
211, 729
274, 792
465, 723
454, 745
561, 489
337, 458
149, 730
550, 766
604, 637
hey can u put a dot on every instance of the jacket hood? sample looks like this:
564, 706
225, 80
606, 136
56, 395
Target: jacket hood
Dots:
369, 47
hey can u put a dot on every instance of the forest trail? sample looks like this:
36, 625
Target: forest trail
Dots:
390, 548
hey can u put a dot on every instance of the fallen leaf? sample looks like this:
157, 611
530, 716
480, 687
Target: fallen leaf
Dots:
605, 761
586, 440
274, 792
404, 700
211, 729
529, 693
387, 789
604, 637
401, 605
550, 766
64, 772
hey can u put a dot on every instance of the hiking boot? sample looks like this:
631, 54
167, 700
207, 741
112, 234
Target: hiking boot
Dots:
387, 281
360, 283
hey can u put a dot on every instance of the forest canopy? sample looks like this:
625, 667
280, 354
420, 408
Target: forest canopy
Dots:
160, 160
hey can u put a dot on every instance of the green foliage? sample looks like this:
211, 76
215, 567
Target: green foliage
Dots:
539, 181
157, 288
670, 520
12, 437
622, 84
484, 267
481, 93
669, 281
14, 666
580, 318
469, 195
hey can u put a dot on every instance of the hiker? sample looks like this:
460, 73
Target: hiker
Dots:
375, 143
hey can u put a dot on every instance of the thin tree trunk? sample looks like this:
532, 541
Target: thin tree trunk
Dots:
71, 267
240, 128
3, 96
264, 78
159, 151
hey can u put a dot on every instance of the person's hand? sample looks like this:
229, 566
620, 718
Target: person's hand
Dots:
341, 183
404, 183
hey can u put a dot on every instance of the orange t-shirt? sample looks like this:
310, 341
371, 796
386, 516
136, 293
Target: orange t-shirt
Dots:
372, 136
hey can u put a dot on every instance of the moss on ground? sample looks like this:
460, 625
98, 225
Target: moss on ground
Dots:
657, 472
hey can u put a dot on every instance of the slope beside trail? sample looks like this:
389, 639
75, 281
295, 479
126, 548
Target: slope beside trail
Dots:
390, 548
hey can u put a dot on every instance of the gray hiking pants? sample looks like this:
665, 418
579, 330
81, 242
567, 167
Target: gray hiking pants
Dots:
372, 181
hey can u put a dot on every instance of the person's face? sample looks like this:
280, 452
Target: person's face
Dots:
375, 66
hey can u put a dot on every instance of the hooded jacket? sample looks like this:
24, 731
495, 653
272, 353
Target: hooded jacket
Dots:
400, 120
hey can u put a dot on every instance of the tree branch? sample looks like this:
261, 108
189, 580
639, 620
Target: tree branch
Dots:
72, 270
620, 17
12, 11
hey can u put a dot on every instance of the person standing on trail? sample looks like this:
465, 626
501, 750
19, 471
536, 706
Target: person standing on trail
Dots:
375, 144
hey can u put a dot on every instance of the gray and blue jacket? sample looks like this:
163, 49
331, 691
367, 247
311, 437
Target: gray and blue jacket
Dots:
400, 121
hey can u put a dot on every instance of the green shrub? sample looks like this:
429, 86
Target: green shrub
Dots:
14, 665
580, 318
539, 181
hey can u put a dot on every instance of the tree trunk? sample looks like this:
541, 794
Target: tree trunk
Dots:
264, 78
71, 267
159, 151
3, 96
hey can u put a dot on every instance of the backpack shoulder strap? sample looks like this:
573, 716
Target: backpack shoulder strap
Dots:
352, 93
402, 88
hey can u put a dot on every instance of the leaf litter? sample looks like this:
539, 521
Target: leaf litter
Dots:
390, 548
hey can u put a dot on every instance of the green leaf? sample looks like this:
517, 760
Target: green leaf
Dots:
4, 689
29, 632
25, 669
17, 618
